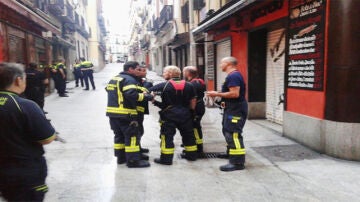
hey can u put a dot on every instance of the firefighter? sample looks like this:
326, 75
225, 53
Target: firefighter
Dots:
143, 107
35, 85
177, 106
87, 70
124, 94
190, 73
78, 74
235, 113
24, 131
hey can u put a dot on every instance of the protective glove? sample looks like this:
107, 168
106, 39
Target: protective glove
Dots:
148, 96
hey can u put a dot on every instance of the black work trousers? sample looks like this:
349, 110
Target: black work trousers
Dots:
233, 124
168, 128
23, 180
126, 139
199, 113
88, 75
78, 77
36, 94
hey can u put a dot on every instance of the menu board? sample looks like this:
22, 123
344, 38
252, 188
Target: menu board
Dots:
305, 42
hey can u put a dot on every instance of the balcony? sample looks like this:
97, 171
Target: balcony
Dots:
156, 27
145, 41
68, 15
166, 15
101, 22
56, 7
80, 26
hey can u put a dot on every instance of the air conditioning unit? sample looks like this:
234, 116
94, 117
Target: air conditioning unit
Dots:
47, 34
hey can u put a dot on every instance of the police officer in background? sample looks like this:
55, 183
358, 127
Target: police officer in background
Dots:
190, 73
78, 74
87, 70
235, 113
124, 95
59, 76
24, 129
177, 105
35, 85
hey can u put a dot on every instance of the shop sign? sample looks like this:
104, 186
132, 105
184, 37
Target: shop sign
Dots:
266, 9
305, 42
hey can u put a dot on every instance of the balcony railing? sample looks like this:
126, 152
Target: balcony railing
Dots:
68, 14
56, 6
166, 15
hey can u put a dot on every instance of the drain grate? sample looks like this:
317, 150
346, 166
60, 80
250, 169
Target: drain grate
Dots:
206, 155
293, 152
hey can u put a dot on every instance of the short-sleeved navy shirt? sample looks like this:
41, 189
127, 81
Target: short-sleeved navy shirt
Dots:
232, 80
22, 125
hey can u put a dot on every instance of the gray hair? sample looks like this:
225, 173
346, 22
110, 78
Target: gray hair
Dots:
9, 72
173, 70
231, 60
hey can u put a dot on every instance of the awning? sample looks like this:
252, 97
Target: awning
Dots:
222, 14
29, 14
180, 39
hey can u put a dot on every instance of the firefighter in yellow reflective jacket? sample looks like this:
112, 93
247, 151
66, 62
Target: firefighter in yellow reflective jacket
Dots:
124, 94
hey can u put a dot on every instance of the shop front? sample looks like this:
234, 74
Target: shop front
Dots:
299, 61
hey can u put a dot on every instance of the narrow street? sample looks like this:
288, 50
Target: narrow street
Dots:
277, 169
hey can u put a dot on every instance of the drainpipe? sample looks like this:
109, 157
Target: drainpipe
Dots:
192, 55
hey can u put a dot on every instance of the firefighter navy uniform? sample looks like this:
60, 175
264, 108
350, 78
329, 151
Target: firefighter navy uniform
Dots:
234, 118
124, 94
176, 96
200, 88
143, 108
23, 168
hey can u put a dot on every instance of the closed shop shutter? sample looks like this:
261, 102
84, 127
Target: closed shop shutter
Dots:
223, 49
275, 75
17, 48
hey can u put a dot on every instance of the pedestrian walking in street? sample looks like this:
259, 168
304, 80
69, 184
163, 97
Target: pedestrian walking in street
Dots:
124, 95
177, 107
143, 108
87, 71
235, 113
24, 129
35, 85
190, 73
78, 74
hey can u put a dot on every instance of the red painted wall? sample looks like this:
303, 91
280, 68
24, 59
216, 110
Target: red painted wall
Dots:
307, 102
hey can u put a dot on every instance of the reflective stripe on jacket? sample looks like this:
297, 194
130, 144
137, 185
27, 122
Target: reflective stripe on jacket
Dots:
123, 96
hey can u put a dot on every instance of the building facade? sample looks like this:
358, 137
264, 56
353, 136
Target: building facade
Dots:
297, 57
299, 66
96, 40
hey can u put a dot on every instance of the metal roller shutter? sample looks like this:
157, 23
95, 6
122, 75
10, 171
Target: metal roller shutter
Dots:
223, 49
275, 75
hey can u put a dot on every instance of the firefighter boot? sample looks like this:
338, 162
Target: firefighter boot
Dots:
232, 167
138, 164
165, 159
